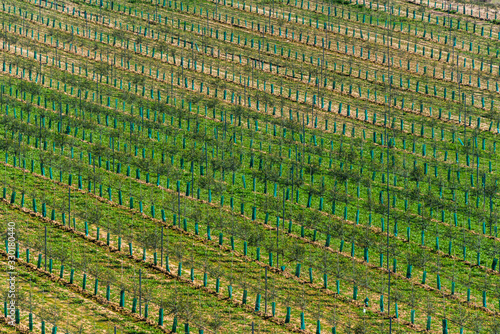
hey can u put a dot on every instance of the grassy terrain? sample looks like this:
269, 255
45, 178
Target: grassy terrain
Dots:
251, 166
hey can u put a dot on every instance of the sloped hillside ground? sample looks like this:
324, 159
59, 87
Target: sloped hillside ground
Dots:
250, 166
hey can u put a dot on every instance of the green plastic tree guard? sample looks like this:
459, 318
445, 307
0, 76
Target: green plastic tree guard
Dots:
245, 295
288, 313
160, 317
445, 326
122, 298
408, 271
257, 303
297, 270
134, 305
96, 286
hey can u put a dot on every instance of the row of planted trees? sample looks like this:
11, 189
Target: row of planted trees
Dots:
305, 202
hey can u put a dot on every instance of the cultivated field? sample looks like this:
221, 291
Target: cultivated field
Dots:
231, 166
